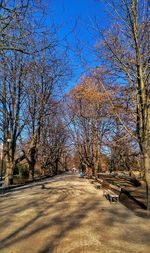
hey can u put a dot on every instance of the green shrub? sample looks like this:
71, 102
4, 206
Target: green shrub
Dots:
21, 170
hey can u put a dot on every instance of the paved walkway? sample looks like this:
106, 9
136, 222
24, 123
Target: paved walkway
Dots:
69, 216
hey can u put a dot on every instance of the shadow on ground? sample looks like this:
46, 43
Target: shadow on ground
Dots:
56, 212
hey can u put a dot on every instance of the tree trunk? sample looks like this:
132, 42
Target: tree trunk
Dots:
31, 170
93, 170
32, 157
2, 167
147, 158
147, 177
56, 167
9, 174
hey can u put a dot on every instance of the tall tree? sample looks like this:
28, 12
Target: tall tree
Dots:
29, 72
45, 79
88, 109
12, 99
125, 50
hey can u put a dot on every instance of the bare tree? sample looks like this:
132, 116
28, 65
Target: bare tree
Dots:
26, 72
12, 95
53, 148
125, 50
90, 122
47, 73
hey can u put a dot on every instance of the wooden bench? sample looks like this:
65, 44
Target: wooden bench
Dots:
111, 196
98, 186
43, 186
100, 180
92, 181
115, 187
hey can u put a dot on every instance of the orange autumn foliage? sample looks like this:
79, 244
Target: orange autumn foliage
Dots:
89, 91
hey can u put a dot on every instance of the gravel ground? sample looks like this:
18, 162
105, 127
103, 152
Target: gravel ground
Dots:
69, 216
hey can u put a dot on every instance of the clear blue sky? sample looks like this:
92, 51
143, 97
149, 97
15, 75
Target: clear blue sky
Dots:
80, 15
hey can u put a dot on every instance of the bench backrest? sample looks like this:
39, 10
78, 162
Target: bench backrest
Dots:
100, 180
114, 187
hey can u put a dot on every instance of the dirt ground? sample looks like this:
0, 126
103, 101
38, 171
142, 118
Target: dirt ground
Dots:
69, 216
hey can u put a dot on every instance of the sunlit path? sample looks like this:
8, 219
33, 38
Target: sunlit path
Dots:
69, 216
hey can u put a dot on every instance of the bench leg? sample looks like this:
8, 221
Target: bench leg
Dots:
110, 199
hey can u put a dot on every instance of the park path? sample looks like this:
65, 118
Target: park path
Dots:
69, 216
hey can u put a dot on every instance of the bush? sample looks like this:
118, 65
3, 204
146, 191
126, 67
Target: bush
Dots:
16, 170
21, 170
